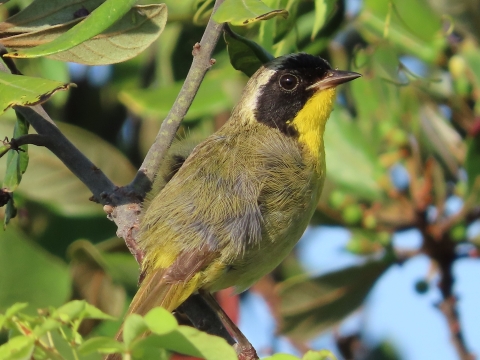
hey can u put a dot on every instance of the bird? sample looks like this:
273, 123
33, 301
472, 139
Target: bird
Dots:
236, 206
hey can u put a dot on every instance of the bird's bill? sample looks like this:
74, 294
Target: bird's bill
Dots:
333, 79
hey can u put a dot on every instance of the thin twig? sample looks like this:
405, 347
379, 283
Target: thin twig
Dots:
449, 310
202, 62
29, 139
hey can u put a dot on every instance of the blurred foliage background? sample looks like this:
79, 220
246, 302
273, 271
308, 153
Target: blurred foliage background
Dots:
402, 143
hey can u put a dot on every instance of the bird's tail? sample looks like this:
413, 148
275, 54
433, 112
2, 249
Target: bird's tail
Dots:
157, 290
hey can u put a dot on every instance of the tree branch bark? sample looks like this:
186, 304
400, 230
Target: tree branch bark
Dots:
202, 62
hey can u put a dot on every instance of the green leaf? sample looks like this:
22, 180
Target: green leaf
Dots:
245, 12
91, 312
160, 321
245, 55
312, 305
323, 10
281, 357
99, 20
70, 311
10, 212
319, 355
472, 163
26, 90
17, 161
471, 55
410, 25
14, 309
127, 38
18, 348
104, 345
22, 262
351, 163
79, 309
47, 326
212, 97
42, 14
189, 341
133, 327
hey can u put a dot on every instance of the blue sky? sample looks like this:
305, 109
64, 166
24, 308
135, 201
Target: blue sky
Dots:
394, 311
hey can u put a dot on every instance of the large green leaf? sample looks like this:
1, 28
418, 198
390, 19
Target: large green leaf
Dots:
127, 38
99, 20
26, 273
26, 90
213, 97
49, 182
42, 14
245, 12
312, 305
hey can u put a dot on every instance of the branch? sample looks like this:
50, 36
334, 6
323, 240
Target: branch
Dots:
121, 210
202, 62
74, 160
29, 139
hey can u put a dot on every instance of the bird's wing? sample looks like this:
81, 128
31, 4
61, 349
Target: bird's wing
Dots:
211, 202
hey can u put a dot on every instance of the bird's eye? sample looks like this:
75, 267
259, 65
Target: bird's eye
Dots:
288, 82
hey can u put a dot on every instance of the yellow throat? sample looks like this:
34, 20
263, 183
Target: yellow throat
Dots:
311, 120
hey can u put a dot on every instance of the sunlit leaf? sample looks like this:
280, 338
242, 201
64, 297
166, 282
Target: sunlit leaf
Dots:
323, 9
245, 12
127, 38
160, 321
281, 357
14, 309
26, 90
312, 305
189, 341
18, 348
133, 327
319, 355
99, 20
104, 345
